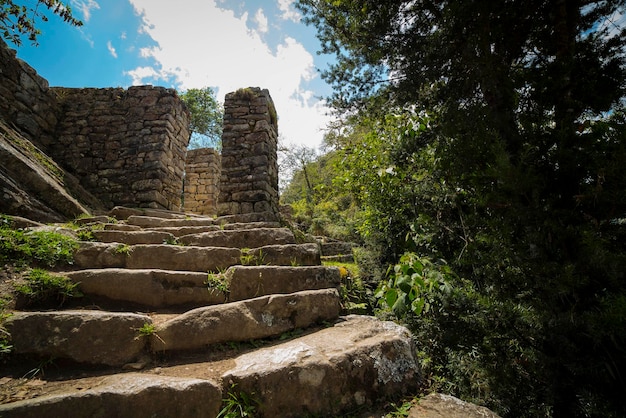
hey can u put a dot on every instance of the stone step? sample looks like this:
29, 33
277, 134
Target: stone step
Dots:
121, 227
83, 336
352, 364
250, 225
246, 282
148, 288
128, 395
355, 363
284, 255
337, 248
151, 221
179, 231
121, 213
262, 317
92, 255
134, 237
115, 339
240, 238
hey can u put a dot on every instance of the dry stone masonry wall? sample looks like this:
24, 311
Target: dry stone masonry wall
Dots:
249, 180
128, 147
202, 176
26, 101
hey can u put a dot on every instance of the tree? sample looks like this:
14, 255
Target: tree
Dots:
206, 118
19, 20
527, 140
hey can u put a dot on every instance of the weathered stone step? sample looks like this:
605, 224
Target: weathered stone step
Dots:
134, 237
250, 225
240, 238
151, 221
129, 395
262, 317
337, 248
121, 212
115, 339
246, 282
354, 363
148, 287
92, 255
166, 257
284, 255
83, 336
179, 231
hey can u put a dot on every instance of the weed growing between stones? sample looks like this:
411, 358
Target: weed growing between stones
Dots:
124, 249
356, 297
218, 281
5, 337
171, 241
44, 289
238, 404
43, 248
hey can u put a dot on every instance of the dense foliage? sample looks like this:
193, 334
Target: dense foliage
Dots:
206, 118
18, 19
491, 135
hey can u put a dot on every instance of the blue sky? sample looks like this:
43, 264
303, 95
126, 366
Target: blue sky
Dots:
225, 44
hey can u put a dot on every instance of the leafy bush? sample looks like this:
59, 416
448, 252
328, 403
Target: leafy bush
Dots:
415, 284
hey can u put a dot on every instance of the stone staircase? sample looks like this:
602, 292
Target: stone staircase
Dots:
183, 311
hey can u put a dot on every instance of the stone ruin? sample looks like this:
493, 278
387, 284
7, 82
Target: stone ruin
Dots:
128, 147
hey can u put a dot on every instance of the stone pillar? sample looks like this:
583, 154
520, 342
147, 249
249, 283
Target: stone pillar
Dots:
202, 177
249, 178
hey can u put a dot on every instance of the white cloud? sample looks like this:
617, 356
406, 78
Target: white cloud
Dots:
288, 11
86, 7
111, 49
261, 21
215, 48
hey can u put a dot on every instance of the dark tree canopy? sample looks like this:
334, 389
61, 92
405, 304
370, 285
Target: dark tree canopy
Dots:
512, 167
19, 18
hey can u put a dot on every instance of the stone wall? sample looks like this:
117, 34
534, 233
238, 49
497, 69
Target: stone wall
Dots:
249, 179
202, 176
127, 147
26, 101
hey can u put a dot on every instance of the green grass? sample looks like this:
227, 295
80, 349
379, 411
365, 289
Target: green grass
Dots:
238, 404
42, 288
40, 248
218, 281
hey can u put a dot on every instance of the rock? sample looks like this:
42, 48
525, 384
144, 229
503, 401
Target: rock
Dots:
29, 188
152, 221
134, 237
246, 320
148, 287
82, 336
165, 257
286, 255
437, 405
129, 395
241, 238
174, 257
179, 231
353, 364
247, 282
